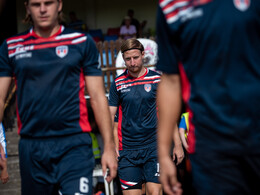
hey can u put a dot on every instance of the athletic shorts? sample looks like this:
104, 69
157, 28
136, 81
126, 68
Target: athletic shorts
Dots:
52, 166
138, 166
216, 173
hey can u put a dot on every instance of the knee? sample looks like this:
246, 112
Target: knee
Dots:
154, 190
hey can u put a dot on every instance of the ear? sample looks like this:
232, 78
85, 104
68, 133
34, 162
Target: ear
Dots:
143, 54
27, 8
60, 5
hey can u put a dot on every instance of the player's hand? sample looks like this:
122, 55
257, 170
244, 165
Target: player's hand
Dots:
183, 138
109, 163
4, 174
168, 177
3, 167
178, 153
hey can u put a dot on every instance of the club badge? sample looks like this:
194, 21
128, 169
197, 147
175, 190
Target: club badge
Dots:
147, 87
242, 5
62, 51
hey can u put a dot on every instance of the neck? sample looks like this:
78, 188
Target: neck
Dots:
138, 74
47, 32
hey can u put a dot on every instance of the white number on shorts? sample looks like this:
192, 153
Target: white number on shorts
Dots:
83, 185
158, 168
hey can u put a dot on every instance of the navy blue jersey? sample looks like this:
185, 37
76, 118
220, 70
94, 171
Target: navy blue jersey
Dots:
137, 117
215, 47
49, 74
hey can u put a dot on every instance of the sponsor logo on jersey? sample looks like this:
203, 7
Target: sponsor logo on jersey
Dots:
23, 55
125, 90
62, 51
242, 5
147, 87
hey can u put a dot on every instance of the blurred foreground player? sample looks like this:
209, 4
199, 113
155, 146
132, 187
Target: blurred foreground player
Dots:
209, 51
52, 65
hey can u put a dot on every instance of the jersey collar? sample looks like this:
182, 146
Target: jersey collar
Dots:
61, 29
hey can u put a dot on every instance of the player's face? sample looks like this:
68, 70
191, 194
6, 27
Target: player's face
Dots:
134, 60
44, 13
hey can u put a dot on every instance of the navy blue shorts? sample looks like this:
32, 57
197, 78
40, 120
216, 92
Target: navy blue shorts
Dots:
217, 173
53, 166
138, 166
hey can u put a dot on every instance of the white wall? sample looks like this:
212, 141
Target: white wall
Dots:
102, 13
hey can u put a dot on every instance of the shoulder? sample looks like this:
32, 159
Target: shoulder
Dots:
18, 37
121, 77
154, 72
76, 36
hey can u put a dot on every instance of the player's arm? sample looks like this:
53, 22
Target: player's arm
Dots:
169, 104
100, 108
177, 150
113, 110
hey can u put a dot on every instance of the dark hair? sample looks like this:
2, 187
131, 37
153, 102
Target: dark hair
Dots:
28, 19
131, 44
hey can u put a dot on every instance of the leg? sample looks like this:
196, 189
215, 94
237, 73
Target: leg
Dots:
153, 188
130, 173
143, 189
36, 177
132, 192
152, 172
75, 171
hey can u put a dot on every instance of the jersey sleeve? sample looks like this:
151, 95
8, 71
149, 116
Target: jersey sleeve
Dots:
113, 99
5, 65
167, 50
2, 139
91, 65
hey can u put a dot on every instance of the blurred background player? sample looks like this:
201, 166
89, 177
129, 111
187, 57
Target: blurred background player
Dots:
55, 150
212, 58
184, 129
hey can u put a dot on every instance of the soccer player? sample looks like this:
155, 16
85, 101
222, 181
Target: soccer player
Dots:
210, 52
52, 65
134, 93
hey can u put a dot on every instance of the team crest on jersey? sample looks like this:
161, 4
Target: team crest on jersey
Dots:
147, 87
62, 51
242, 5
